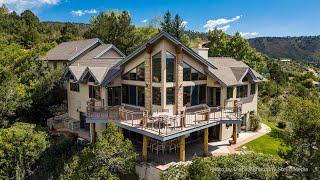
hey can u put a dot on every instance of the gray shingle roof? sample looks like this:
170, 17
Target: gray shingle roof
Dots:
67, 51
231, 71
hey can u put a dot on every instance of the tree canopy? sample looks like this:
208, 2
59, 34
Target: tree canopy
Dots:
21, 146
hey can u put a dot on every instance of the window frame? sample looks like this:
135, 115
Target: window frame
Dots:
156, 96
229, 92
74, 87
94, 92
242, 91
173, 68
253, 90
172, 96
159, 68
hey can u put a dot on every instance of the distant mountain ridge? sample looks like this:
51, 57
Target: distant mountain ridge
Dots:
305, 48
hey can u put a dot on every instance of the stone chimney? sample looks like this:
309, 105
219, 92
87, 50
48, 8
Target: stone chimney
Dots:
202, 51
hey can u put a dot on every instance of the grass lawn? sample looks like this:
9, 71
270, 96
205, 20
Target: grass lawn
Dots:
269, 143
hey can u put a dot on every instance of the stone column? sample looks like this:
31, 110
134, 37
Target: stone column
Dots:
205, 142
182, 153
234, 134
179, 80
148, 79
145, 148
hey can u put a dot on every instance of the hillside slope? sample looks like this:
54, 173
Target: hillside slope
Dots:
305, 48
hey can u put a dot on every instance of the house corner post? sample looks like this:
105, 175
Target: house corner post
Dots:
145, 148
234, 134
182, 152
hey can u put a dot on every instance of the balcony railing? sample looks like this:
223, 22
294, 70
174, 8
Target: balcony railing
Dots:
162, 123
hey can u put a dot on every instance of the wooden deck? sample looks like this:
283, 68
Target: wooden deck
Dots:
163, 124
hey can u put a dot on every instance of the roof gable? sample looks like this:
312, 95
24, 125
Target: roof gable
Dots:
172, 40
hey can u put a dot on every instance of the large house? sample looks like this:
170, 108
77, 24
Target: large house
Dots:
164, 92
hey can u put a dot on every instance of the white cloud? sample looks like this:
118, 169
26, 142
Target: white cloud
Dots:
144, 21
184, 23
83, 12
212, 24
224, 28
247, 34
21, 5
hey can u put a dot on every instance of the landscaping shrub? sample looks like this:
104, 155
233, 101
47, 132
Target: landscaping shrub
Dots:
281, 125
244, 166
255, 122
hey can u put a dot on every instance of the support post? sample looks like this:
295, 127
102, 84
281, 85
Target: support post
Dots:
205, 142
145, 148
182, 153
145, 118
234, 135
94, 133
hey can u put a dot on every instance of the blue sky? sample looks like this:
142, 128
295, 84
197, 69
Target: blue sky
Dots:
250, 17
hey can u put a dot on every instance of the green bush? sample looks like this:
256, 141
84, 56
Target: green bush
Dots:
244, 166
255, 122
281, 125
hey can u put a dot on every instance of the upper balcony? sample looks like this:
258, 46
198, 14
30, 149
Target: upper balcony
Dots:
162, 125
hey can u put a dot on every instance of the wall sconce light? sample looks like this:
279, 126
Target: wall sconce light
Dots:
180, 86
147, 85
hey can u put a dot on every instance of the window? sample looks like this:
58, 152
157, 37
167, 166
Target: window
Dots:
191, 74
94, 92
125, 94
74, 87
194, 95
136, 74
114, 96
213, 96
170, 95
229, 92
186, 72
242, 91
202, 94
253, 89
170, 66
133, 95
156, 96
140, 96
156, 68
186, 95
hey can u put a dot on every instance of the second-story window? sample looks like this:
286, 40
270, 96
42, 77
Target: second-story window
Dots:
74, 87
94, 92
170, 95
170, 66
156, 68
156, 96
229, 92
242, 91
136, 74
191, 74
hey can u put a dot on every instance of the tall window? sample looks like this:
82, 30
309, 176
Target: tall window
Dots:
156, 68
156, 96
140, 96
213, 96
114, 96
94, 92
191, 74
133, 95
170, 65
136, 74
194, 95
253, 88
170, 95
74, 87
229, 92
186, 95
242, 91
